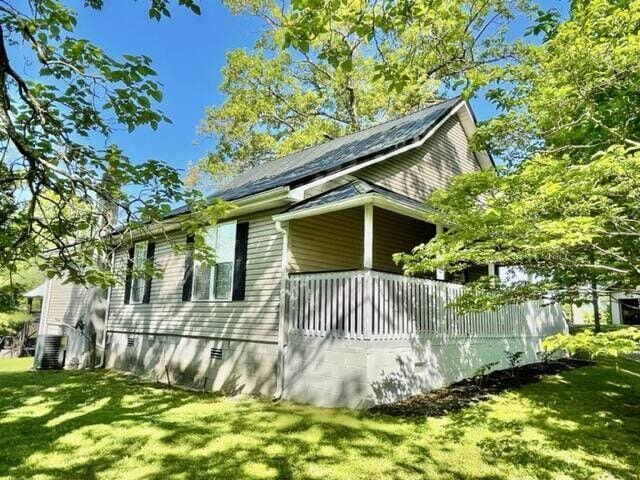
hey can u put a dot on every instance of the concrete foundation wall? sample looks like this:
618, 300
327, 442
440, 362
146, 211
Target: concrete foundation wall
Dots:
336, 372
245, 367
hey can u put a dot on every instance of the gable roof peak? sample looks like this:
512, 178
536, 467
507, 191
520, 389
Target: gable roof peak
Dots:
334, 154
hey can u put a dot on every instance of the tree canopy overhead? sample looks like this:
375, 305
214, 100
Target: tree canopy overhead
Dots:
568, 210
61, 178
324, 68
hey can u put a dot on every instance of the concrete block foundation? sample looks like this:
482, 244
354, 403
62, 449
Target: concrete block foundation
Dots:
336, 372
199, 363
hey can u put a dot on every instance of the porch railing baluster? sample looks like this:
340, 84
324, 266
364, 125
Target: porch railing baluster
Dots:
382, 306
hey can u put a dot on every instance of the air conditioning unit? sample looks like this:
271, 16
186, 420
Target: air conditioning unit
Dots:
50, 352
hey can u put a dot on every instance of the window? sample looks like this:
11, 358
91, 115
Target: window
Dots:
216, 282
137, 282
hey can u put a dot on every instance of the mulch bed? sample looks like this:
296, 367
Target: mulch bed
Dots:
441, 402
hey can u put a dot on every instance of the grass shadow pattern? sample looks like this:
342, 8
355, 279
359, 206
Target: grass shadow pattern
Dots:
582, 423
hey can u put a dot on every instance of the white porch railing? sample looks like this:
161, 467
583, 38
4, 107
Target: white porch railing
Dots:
371, 305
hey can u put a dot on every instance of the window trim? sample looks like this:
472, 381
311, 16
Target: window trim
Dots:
196, 266
134, 279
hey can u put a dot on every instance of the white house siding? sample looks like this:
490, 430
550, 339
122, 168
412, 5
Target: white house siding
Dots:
395, 233
420, 171
173, 337
334, 241
616, 307
67, 310
255, 318
67, 304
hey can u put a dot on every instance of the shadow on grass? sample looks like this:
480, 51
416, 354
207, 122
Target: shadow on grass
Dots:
593, 412
104, 425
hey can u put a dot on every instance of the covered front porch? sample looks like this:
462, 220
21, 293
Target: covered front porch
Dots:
342, 279
355, 331
354, 227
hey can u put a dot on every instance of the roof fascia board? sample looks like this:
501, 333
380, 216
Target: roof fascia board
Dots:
368, 198
298, 193
321, 209
269, 195
467, 120
398, 207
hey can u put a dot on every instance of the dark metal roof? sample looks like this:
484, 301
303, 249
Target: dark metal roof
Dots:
334, 154
353, 190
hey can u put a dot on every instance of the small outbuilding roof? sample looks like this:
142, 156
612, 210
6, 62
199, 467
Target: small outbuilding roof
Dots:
36, 291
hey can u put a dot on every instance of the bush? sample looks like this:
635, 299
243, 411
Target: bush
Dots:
11, 322
591, 344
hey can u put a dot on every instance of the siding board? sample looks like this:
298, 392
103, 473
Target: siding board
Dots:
420, 171
395, 233
332, 241
255, 318
67, 302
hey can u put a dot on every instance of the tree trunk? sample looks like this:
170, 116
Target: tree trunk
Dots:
596, 307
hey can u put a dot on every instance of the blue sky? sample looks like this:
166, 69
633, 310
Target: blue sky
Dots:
188, 52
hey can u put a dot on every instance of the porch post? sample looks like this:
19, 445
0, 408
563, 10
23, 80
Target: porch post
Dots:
283, 310
440, 274
367, 262
368, 265
492, 269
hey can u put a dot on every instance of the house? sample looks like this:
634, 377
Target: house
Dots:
23, 342
305, 302
625, 308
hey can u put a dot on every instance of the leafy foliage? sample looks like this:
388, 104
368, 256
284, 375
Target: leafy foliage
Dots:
61, 181
12, 303
325, 68
566, 223
481, 372
586, 342
10, 323
514, 358
567, 209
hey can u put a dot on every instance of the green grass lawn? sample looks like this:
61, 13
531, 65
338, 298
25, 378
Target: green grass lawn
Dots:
580, 424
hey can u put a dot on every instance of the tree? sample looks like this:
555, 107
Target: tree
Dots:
13, 308
325, 68
567, 209
60, 99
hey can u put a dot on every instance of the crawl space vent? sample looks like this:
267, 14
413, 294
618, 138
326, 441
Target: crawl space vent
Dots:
216, 353
131, 342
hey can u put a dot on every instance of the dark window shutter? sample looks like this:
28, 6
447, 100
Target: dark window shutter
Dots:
127, 282
240, 264
151, 252
187, 282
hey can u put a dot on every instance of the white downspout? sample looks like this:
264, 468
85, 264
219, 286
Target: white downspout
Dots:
282, 312
106, 317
